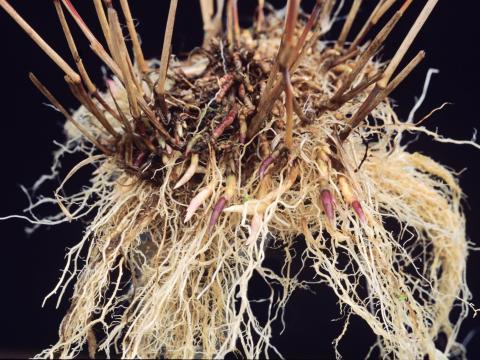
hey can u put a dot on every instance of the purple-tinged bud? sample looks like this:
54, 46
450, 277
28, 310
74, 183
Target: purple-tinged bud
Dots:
217, 210
140, 159
265, 164
359, 211
327, 202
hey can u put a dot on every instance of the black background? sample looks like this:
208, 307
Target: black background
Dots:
30, 265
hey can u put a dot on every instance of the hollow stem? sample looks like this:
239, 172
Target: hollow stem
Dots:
367, 54
121, 57
102, 18
52, 54
95, 45
289, 110
73, 48
79, 92
233, 25
407, 42
312, 20
260, 15
381, 8
348, 22
43, 89
137, 49
378, 94
164, 60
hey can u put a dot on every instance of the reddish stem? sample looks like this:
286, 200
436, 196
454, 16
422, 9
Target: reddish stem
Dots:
311, 21
225, 83
226, 122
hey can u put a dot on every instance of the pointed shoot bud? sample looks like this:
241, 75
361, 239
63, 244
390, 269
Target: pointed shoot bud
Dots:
357, 207
189, 173
351, 199
264, 165
217, 210
140, 159
197, 201
327, 202
231, 187
255, 226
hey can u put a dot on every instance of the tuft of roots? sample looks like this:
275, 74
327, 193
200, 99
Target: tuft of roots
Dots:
248, 143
